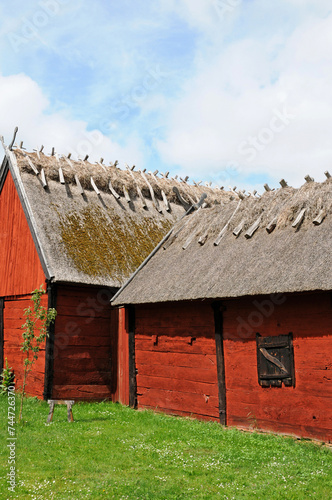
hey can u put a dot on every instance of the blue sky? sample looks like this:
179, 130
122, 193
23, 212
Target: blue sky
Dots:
229, 91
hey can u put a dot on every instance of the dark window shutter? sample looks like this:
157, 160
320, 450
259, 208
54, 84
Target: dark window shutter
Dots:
275, 360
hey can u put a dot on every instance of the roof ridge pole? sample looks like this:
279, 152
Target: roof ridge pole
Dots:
155, 250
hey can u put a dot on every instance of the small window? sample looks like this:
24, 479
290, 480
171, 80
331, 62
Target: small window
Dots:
275, 360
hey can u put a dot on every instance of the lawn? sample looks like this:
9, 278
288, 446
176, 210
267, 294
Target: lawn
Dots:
111, 451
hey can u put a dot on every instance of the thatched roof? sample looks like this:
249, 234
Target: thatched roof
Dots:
278, 243
95, 224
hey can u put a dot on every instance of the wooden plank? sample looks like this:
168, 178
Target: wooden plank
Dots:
192, 329
93, 184
238, 230
179, 385
219, 322
87, 341
79, 352
76, 293
35, 170
49, 347
61, 176
182, 373
193, 403
139, 192
85, 324
176, 345
173, 318
153, 198
224, 229
183, 202
188, 414
126, 194
114, 193
299, 219
16, 356
281, 405
170, 359
132, 361
311, 432
81, 365
165, 200
82, 309
43, 178
91, 391
253, 228
320, 217
122, 358
272, 225
82, 378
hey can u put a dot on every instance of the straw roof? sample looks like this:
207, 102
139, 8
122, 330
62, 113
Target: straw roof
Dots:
131, 180
278, 243
94, 224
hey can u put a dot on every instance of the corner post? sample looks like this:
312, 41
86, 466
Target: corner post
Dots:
49, 348
132, 363
218, 309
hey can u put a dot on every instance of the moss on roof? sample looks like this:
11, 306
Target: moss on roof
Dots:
102, 243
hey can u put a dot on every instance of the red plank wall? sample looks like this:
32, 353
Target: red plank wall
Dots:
20, 268
305, 410
20, 273
13, 320
122, 349
84, 329
176, 359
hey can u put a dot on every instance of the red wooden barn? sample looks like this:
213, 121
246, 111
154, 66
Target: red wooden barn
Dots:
80, 230
231, 319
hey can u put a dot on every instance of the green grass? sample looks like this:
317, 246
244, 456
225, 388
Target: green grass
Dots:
112, 451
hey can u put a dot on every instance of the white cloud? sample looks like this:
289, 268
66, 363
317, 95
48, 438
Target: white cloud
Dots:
23, 104
233, 103
226, 73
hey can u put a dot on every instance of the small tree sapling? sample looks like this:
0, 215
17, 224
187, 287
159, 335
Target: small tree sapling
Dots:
35, 331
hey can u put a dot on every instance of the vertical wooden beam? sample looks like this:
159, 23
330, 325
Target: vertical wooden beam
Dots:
218, 309
49, 348
132, 364
2, 305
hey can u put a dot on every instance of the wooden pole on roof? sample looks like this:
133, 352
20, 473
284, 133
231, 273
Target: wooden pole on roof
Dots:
140, 194
154, 199
78, 184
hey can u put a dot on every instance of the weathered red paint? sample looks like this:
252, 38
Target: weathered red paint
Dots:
176, 366
176, 359
122, 350
20, 268
82, 344
306, 409
20, 273
13, 320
